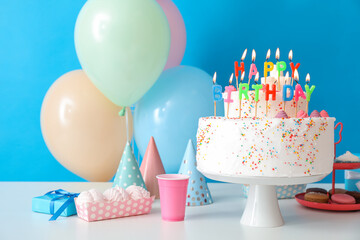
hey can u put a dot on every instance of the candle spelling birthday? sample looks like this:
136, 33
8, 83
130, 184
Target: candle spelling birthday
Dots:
228, 90
269, 92
217, 93
242, 88
240, 68
287, 89
257, 88
298, 91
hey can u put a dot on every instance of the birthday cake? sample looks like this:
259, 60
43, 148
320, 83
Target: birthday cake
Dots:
266, 132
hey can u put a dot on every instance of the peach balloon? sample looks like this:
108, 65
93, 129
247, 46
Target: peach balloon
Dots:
82, 128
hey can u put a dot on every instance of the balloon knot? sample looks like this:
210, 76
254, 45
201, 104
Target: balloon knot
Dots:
122, 112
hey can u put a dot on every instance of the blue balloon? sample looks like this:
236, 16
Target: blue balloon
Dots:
170, 112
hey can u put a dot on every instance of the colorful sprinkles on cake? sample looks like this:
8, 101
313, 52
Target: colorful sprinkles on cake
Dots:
263, 156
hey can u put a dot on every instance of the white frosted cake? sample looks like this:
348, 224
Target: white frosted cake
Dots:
280, 142
265, 147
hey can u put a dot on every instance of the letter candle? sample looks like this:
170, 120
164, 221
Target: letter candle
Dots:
280, 66
298, 91
268, 92
268, 66
285, 87
272, 92
293, 68
240, 92
257, 88
309, 91
277, 57
253, 69
240, 68
217, 93
229, 89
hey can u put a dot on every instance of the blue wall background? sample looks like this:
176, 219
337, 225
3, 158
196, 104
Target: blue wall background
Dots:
36, 47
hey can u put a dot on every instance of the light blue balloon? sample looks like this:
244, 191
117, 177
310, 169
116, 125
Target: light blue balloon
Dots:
170, 112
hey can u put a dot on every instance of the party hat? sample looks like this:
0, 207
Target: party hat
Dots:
152, 166
198, 192
128, 172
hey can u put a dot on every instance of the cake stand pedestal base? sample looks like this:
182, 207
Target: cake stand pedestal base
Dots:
262, 206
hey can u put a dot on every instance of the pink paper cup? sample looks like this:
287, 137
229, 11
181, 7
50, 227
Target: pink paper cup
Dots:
173, 190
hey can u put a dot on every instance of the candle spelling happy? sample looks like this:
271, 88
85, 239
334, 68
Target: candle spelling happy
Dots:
309, 91
280, 66
293, 68
240, 68
268, 66
253, 70
217, 93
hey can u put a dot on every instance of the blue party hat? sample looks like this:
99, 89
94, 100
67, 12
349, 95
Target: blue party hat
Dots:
128, 172
198, 192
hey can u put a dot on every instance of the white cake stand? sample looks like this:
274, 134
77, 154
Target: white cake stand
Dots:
262, 206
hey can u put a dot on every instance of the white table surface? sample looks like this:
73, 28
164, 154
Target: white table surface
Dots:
220, 220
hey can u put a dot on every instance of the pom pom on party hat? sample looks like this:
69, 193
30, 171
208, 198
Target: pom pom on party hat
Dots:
152, 166
198, 192
128, 172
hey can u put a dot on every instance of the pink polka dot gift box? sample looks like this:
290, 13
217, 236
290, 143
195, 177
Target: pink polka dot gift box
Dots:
114, 203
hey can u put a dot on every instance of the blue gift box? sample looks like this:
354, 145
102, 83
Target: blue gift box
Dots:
352, 177
57, 203
283, 192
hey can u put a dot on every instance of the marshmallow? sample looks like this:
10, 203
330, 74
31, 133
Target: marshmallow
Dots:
97, 196
137, 192
85, 197
116, 194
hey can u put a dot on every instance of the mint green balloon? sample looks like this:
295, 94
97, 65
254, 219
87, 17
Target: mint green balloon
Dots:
122, 46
